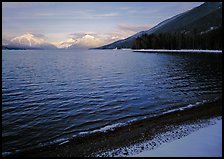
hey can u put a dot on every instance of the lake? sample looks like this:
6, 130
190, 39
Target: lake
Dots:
49, 96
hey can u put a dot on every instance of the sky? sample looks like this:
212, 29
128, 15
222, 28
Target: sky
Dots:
105, 21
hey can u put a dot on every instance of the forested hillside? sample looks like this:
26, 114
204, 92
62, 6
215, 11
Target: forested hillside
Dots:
211, 39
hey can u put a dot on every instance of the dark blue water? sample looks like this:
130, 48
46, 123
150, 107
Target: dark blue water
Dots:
49, 96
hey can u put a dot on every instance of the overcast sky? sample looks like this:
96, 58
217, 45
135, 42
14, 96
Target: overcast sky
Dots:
57, 21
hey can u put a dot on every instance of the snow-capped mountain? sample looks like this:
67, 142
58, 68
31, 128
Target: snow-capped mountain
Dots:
65, 44
28, 41
202, 18
85, 41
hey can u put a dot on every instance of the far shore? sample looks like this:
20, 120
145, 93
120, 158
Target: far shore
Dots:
178, 51
164, 50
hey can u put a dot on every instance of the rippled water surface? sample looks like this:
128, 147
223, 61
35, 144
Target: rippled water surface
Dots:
49, 96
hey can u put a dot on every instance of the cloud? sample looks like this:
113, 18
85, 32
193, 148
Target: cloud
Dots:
37, 35
124, 8
143, 11
76, 35
112, 14
54, 14
12, 4
134, 28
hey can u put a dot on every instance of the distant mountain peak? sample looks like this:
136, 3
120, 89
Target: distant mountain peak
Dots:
64, 44
87, 36
28, 39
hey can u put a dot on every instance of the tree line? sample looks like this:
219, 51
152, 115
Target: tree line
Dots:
211, 40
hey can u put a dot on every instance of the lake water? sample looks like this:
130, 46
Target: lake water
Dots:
49, 96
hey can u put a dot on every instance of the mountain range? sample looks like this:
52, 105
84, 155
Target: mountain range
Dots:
33, 41
205, 17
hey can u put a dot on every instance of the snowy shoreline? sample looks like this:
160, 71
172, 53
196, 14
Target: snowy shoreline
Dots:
178, 51
205, 142
142, 135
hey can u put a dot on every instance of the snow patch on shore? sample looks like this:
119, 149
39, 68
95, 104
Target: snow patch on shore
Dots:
178, 51
206, 142
176, 133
